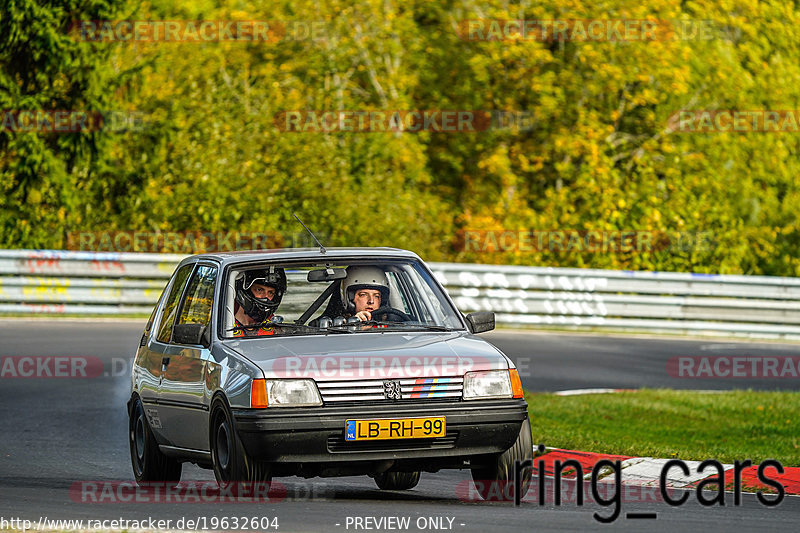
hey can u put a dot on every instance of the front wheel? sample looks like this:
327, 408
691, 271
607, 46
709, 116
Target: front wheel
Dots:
149, 464
230, 460
496, 481
397, 480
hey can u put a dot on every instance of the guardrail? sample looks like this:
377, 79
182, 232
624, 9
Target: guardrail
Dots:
62, 282
751, 306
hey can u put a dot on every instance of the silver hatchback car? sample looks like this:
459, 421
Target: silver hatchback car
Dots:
307, 362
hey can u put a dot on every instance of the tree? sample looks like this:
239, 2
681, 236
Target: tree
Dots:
45, 69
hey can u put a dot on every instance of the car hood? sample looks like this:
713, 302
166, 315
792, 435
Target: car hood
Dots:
370, 355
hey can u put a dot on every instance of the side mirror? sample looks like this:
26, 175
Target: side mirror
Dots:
327, 274
190, 334
480, 321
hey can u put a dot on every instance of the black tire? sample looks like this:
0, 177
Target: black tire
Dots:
496, 482
149, 464
230, 460
397, 480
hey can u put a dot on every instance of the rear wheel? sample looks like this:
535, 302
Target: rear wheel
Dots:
397, 480
496, 481
149, 464
231, 461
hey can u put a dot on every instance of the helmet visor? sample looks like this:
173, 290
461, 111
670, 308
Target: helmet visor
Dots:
270, 279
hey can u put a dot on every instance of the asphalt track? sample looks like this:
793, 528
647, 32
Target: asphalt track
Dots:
59, 432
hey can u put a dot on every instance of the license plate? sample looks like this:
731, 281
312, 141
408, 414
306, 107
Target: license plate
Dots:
398, 428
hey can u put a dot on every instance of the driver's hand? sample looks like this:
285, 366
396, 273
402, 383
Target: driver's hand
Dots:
364, 316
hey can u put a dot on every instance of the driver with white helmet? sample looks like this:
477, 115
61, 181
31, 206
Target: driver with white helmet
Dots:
364, 291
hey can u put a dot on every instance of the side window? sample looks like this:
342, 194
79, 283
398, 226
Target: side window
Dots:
430, 301
168, 314
399, 300
199, 297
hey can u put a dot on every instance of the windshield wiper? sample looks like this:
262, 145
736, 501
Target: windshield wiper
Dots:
335, 329
404, 324
269, 325
308, 329
430, 327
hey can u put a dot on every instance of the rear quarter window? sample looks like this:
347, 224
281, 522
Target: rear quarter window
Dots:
171, 305
199, 297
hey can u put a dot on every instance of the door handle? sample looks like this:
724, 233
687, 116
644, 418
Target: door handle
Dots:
164, 364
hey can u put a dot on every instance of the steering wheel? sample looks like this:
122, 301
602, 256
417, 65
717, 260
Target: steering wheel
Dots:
391, 314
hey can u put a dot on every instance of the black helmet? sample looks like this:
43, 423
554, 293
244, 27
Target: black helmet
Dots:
260, 308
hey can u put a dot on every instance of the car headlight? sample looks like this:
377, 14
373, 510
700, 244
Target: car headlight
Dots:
284, 393
486, 384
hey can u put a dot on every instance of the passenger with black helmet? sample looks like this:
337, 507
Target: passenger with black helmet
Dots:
258, 295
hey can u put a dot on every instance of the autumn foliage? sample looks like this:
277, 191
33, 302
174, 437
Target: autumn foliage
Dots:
579, 135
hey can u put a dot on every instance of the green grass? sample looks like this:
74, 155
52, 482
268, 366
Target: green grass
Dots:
665, 423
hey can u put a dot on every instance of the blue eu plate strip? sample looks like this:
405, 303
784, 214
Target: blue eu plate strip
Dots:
350, 430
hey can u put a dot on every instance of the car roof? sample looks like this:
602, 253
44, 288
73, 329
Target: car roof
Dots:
283, 254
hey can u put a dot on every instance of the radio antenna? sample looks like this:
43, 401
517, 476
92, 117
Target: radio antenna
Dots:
322, 249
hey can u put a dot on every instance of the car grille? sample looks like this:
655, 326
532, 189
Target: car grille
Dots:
337, 444
380, 390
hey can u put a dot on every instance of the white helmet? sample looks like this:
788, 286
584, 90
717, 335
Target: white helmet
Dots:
363, 277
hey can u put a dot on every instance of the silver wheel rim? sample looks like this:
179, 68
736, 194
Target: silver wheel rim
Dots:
138, 438
223, 447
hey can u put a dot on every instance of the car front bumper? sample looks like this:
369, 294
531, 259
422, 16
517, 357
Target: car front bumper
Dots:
316, 434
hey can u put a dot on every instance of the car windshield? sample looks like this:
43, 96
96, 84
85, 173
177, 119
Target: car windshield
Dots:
337, 297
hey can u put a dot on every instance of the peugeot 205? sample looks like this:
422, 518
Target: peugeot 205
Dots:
306, 362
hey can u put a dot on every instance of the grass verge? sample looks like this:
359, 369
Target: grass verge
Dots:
688, 425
